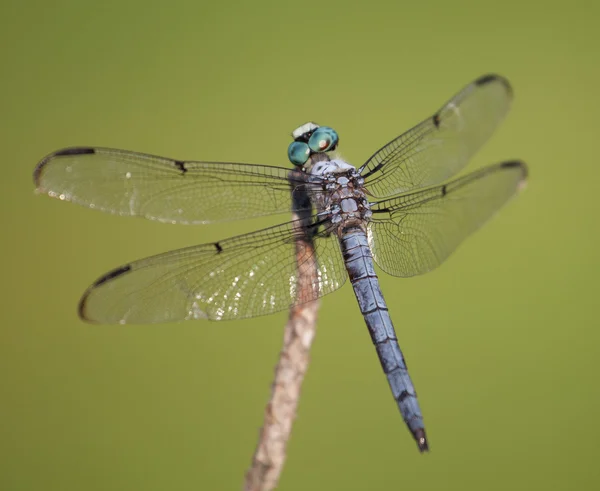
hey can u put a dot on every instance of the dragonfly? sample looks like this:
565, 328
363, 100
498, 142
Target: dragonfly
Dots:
397, 210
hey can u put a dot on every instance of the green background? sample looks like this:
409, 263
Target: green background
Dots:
502, 340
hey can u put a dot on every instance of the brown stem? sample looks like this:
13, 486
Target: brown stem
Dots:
294, 358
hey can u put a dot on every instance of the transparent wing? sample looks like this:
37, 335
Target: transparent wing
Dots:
167, 190
414, 233
441, 145
244, 276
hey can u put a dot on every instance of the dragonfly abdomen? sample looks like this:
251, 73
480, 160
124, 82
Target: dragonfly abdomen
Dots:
359, 263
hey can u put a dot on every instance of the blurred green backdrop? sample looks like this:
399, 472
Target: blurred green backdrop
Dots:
502, 341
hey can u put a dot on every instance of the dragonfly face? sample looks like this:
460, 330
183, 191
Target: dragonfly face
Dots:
407, 223
311, 140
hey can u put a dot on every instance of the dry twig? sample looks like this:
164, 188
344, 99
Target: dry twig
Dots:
280, 411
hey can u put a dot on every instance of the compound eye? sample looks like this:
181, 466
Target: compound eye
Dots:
298, 153
323, 139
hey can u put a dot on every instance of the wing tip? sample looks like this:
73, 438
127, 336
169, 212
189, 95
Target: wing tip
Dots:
82, 307
522, 166
42, 164
493, 78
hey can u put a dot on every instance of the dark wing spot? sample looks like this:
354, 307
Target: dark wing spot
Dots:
181, 166
486, 79
515, 163
111, 274
218, 247
436, 120
59, 153
444, 191
492, 77
75, 151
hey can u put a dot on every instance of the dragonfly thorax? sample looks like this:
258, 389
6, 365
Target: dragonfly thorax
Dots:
343, 198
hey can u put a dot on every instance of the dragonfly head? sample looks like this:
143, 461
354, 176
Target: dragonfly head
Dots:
311, 139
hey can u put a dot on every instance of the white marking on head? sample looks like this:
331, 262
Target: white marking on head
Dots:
305, 128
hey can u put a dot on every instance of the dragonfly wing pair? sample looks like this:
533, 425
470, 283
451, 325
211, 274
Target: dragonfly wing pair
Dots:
411, 231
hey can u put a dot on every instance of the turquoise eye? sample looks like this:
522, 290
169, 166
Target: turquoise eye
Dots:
323, 139
298, 153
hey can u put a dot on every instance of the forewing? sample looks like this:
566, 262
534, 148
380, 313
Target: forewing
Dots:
414, 233
167, 190
244, 276
442, 144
